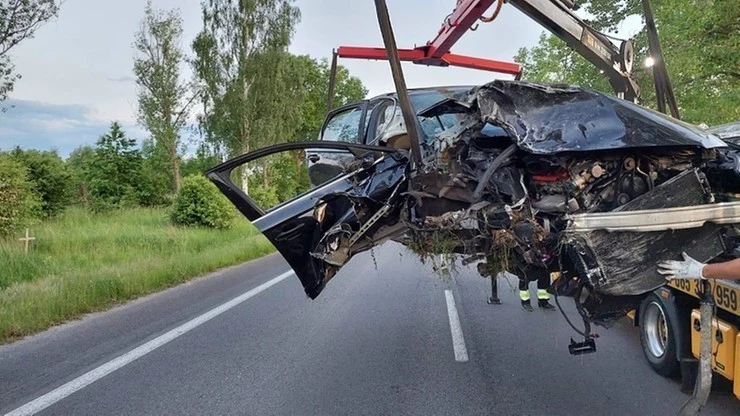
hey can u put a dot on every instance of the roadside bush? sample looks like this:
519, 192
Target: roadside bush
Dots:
50, 176
199, 203
265, 197
18, 202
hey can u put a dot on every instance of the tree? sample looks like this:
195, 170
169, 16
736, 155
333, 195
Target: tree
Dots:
80, 163
699, 44
115, 171
18, 202
205, 158
19, 20
155, 186
50, 177
164, 105
553, 61
313, 78
243, 72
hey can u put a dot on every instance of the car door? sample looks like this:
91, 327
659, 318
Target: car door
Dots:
323, 225
346, 125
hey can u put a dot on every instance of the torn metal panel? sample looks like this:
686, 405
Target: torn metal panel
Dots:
729, 131
548, 119
618, 255
624, 262
683, 201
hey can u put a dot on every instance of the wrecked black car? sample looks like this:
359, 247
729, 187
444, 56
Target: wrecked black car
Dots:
516, 176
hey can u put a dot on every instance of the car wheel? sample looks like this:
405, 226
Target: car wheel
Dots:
657, 339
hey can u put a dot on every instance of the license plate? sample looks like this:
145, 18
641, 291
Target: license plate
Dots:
725, 296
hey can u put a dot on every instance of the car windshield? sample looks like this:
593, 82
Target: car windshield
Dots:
434, 125
421, 100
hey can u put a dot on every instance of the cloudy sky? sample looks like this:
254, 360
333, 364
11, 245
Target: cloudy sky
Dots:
77, 70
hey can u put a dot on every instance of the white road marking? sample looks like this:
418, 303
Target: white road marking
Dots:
92, 376
458, 342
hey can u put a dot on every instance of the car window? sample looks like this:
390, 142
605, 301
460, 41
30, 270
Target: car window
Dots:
382, 113
274, 179
344, 126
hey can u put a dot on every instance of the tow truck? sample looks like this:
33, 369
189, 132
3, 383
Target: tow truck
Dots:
668, 318
670, 324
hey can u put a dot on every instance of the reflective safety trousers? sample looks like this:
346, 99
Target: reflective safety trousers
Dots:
543, 282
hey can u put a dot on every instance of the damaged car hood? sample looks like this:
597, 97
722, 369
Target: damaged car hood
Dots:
548, 119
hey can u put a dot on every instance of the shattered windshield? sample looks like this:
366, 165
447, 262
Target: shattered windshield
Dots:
432, 126
388, 112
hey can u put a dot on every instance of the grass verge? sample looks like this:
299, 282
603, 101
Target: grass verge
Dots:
82, 262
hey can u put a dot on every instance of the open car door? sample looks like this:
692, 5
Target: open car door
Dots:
323, 225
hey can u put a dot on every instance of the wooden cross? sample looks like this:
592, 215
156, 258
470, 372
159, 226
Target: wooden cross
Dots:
26, 240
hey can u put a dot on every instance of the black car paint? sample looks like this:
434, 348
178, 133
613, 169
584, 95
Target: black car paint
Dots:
550, 119
291, 226
729, 132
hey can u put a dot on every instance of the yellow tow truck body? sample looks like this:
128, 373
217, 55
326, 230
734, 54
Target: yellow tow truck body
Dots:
726, 326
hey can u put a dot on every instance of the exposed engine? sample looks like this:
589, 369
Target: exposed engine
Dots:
510, 207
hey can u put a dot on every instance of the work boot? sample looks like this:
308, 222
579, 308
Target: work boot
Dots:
545, 304
527, 306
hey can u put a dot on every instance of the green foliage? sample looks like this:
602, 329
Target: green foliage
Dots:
265, 196
18, 202
313, 78
163, 100
700, 45
80, 163
135, 252
115, 171
199, 203
19, 21
552, 61
277, 178
204, 159
289, 175
155, 186
244, 73
50, 176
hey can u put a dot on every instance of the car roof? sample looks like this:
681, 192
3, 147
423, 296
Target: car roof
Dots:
444, 89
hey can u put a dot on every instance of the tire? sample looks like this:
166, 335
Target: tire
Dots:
658, 335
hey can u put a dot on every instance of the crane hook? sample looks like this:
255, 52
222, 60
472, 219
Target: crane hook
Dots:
484, 19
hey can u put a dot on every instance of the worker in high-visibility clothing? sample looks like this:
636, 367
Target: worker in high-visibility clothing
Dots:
543, 282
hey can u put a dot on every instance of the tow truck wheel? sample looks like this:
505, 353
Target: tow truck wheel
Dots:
658, 341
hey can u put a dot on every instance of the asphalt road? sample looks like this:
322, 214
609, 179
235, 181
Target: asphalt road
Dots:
377, 341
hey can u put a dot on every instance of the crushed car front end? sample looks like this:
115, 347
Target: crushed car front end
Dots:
531, 179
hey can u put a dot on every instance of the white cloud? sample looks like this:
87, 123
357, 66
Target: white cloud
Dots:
39, 125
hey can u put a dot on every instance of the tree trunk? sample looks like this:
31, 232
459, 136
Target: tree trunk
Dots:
244, 139
245, 172
265, 180
176, 179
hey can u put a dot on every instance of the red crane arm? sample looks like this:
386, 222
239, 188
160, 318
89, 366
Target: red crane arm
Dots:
418, 56
437, 51
466, 13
